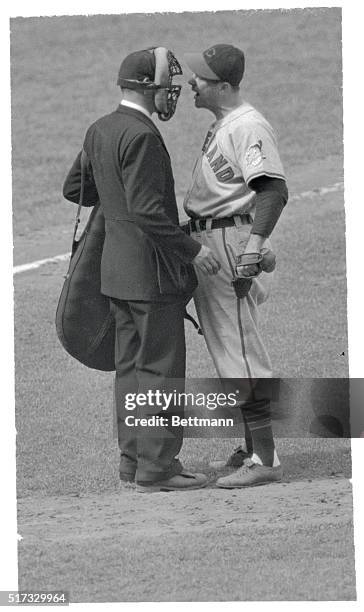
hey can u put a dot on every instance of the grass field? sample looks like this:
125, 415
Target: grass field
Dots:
64, 73
79, 528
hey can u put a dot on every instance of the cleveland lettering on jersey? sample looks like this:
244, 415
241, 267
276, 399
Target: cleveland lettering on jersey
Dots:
218, 163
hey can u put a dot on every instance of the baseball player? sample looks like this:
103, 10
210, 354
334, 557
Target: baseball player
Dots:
236, 196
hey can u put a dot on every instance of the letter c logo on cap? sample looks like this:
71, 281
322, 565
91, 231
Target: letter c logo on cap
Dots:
210, 52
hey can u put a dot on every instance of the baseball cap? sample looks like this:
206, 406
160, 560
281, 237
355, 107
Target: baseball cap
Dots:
137, 66
218, 63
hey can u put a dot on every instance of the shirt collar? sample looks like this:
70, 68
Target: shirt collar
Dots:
136, 107
242, 109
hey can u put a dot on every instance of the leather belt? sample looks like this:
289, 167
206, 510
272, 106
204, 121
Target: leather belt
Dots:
199, 225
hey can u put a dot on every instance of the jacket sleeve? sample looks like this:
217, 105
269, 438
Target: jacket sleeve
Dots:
144, 171
72, 184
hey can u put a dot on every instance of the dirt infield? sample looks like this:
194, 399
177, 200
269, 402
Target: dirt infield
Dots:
265, 543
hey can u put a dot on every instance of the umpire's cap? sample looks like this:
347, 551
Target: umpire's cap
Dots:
138, 66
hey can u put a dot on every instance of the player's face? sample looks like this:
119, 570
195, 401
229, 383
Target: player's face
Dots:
206, 92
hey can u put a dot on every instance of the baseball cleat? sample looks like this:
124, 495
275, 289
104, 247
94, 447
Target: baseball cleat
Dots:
251, 475
185, 481
236, 460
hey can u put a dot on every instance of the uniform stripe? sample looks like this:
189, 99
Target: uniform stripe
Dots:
227, 252
238, 308
241, 332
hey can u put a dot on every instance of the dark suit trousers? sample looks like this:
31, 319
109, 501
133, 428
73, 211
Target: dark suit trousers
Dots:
150, 355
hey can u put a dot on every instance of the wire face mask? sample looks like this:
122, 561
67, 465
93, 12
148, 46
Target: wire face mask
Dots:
166, 95
167, 107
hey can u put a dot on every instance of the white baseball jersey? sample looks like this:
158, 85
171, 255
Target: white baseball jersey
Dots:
237, 149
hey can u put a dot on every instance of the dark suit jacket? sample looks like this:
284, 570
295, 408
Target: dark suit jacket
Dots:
130, 172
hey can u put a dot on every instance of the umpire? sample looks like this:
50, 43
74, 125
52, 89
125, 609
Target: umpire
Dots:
145, 263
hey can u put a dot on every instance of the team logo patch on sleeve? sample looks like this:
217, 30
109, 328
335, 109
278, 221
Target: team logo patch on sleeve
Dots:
254, 155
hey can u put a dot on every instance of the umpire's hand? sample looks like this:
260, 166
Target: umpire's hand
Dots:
206, 261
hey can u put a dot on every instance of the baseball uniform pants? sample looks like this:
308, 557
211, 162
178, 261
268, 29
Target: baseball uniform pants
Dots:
230, 324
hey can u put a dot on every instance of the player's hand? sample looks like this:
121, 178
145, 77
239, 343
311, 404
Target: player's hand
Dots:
206, 261
248, 271
268, 262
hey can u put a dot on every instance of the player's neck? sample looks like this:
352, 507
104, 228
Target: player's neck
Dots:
227, 106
